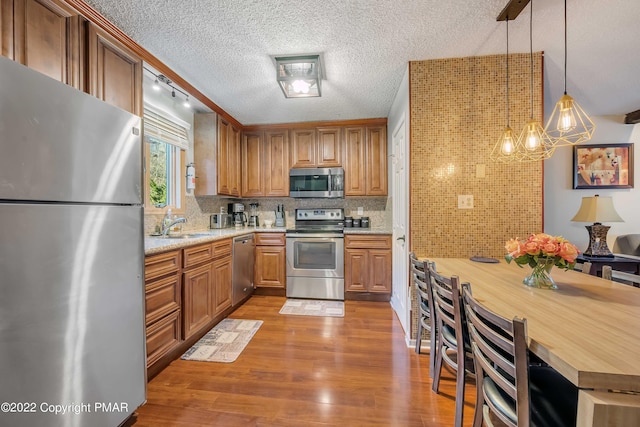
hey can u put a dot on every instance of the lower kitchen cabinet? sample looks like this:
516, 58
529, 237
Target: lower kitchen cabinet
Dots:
198, 293
270, 273
367, 267
222, 275
187, 292
207, 284
163, 295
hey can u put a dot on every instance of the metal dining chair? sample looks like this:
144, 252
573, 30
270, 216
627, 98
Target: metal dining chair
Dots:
426, 317
507, 386
453, 341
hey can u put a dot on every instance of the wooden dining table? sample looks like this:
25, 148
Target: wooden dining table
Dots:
588, 330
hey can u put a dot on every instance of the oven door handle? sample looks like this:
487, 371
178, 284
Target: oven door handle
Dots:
316, 235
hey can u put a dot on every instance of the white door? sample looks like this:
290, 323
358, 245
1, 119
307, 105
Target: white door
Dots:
400, 294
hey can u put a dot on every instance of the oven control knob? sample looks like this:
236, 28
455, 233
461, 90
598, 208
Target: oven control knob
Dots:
331, 214
306, 214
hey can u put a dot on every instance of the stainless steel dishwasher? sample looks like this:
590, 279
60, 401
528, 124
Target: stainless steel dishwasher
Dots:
243, 261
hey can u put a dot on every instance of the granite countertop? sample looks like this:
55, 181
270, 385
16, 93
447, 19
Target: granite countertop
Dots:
156, 244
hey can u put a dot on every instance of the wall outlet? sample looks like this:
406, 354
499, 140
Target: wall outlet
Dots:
465, 201
360, 210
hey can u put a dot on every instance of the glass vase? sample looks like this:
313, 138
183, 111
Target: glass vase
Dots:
540, 276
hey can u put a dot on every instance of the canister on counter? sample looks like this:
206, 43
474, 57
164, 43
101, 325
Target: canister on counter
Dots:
348, 221
364, 222
356, 222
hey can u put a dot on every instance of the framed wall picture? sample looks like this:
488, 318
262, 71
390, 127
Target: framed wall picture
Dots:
603, 166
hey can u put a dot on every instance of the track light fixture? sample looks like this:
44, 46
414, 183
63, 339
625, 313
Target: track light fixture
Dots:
162, 81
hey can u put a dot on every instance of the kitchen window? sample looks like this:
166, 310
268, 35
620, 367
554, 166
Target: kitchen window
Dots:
165, 145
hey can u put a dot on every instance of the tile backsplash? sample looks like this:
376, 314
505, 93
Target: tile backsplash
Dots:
199, 210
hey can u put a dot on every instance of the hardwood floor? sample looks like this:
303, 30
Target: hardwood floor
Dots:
308, 371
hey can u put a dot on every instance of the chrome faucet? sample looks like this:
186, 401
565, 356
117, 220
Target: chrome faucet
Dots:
166, 228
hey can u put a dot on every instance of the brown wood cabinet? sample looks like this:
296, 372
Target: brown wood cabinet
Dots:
367, 267
46, 35
228, 159
53, 38
329, 147
303, 148
316, 147
265, 164
198, 294
365, 166
205, 146
270, 261
207, 284
163, 295
187, 292
222, 274
115, 72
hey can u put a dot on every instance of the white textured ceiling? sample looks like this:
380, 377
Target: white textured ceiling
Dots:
223, 48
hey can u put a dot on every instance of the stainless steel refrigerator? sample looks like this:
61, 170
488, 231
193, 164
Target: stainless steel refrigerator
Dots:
72, 337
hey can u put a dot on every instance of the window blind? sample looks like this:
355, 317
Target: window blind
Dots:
166, 130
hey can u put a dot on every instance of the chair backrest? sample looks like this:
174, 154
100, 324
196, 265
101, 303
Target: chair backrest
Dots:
585, 267
499, 349
620, 276
447, 299
420, 274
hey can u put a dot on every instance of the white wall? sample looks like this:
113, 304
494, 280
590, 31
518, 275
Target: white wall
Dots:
561, 201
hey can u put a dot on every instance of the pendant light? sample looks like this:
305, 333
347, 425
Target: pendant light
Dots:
505, 150
533, 143
568, 123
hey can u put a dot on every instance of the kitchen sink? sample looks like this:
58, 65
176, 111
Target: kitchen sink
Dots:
185, 236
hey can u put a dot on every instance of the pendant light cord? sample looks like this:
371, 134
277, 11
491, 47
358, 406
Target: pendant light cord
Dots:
531, 56
565, 47
507, 97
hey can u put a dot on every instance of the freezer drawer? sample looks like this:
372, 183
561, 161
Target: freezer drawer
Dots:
72, 311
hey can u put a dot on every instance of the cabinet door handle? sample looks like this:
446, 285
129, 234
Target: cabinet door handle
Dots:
400, 238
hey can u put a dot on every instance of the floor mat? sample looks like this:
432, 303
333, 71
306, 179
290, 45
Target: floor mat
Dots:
303, 307
224, 342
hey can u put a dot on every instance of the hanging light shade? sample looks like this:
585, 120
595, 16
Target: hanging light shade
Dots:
506, 150
533, 143
568, 123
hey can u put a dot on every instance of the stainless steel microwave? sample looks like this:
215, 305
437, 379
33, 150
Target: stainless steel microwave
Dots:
324, 183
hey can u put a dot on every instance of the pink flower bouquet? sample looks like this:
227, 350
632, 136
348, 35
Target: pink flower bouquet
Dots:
541, 247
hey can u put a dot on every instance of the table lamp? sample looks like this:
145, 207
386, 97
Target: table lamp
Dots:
597, 209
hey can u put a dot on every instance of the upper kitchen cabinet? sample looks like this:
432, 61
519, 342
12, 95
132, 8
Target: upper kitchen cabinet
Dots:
317, 147
46, 35
228, 159
303, 148
376, 158
265, 164
115, 72
365, 161
204, 153
329, 147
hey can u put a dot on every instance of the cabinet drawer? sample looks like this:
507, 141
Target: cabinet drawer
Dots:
270, 239
378, 241
222, 248
161, 264
162, 337
195, 255
162, 296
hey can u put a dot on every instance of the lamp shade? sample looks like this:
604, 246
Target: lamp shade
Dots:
597, 209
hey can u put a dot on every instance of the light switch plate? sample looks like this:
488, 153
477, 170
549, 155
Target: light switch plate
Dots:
465, 201
360, 210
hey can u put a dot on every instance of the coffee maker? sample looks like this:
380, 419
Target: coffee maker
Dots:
253, 214
237, 213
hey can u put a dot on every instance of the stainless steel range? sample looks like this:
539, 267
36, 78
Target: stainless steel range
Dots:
315, 254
